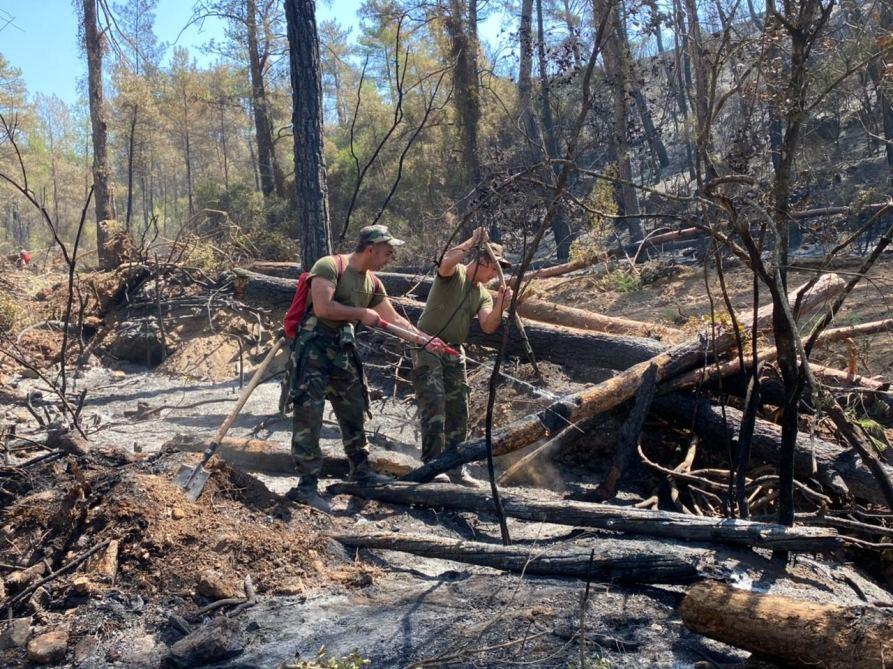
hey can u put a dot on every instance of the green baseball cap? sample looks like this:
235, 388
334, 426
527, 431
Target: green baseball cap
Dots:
497, 254
377, 234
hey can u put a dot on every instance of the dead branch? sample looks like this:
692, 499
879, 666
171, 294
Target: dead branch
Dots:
601, 516
617, 561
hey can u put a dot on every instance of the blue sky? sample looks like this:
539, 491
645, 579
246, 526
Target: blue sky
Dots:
39, 37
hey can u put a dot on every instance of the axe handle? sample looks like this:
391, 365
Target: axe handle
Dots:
412, 337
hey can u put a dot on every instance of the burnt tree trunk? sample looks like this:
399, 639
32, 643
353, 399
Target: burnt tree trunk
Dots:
560, 228
617, 72
882, 83
461, 27
624, 519
811, 16
314, 229
131, 142
616, 562
187, 151
630, 433
103, 189
270, 176
680, 85
525, 76
697, 57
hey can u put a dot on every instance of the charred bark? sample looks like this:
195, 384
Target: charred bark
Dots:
560, 228
624, 519
103, 189
314, 230
839, 471
616, 562
577, 349
270, 175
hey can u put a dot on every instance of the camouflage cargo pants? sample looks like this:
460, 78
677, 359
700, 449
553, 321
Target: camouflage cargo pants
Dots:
441, 389
326, 369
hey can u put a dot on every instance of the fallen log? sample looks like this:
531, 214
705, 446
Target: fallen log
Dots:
836, 376
615, 561
839, 470
275, 459
797, 632
292, 270
654, 242
256, 286
282, 270
573, 408
569, 347
712, 373
582, 319
262, 286
612, 392
566, 268
602, 516
633, 249
560, 345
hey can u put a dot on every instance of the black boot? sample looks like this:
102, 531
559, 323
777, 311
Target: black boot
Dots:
306, 493
363, 474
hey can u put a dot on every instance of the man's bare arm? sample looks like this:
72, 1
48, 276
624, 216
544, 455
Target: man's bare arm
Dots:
324, 305
490, 319
456, 254
386, 310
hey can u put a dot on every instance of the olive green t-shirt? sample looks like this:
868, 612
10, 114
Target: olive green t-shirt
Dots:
446, 294
355, 289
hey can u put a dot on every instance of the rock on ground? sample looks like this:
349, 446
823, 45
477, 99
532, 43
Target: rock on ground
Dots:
14, 633
217, 641
49, 647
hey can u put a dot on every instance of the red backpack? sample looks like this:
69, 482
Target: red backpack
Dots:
298, 308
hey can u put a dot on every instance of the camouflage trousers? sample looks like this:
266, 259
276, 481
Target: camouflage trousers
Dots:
326, 369
441, 390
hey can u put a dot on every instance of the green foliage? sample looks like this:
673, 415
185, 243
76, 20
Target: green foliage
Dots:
601, 205
323, 660
622, 281
204, 255
875, 432
242, 224
595, 661
602, 199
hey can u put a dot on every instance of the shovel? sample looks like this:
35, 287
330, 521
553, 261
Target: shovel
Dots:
193, 479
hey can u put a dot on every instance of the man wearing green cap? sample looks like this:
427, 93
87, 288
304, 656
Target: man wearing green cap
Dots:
457, 295
343, 292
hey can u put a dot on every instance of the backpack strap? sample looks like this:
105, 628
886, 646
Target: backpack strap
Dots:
377, 285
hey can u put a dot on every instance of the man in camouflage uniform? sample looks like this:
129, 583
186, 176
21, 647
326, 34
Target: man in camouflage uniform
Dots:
441, 385
325, 361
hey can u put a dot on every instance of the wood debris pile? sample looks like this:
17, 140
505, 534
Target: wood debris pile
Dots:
81, 530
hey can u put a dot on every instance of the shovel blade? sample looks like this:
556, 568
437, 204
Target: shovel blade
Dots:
192, 480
